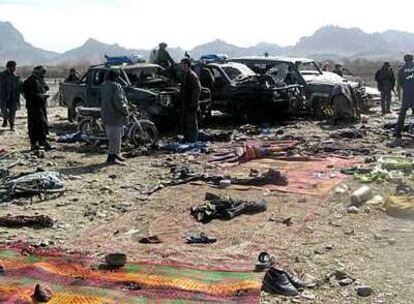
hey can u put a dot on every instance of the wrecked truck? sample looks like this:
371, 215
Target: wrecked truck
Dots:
239, 91
316, 85
148, 86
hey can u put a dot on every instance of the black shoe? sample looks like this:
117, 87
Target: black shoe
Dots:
298, 283
4, 125
48, 147
276, 281
34, 148
12, 128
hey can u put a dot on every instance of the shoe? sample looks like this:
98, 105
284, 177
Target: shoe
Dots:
397, 135
276, 281
34, 148
48, 147
264, 261
4, 125
120, 158
298, 283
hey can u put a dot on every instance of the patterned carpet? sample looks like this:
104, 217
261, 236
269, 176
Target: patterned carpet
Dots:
77, 278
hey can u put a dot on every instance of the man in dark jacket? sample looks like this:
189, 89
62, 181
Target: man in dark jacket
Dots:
190, 96
164, 58
9, 94
386, 82
72, 76
34, 89
406, 81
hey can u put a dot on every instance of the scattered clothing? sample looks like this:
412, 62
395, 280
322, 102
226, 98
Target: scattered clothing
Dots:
72, 138
43, 221
197, 147
201, 238
400, 206
225, 208
215, 136
344, 103
150, 240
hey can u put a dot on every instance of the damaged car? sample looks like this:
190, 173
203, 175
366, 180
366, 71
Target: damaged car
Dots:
316, 85
148, 86
246, 95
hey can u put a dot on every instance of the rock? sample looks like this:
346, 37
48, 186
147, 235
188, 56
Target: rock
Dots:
392, 241
309, 280
224, 183
42, 293
364, 291
376, 201
341, 274
345, 282
352, 210
307, 295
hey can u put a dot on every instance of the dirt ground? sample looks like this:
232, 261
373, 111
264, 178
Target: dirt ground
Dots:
105, 209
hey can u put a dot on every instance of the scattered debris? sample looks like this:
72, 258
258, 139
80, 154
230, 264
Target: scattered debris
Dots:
42, 293
43, 221
364, 291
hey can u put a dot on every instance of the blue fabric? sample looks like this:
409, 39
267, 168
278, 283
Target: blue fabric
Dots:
72, 138
197, 147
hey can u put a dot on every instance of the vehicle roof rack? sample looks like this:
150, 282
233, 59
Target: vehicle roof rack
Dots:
123, 60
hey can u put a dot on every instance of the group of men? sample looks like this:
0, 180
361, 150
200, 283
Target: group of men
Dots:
387, 81
114, 101
34, 90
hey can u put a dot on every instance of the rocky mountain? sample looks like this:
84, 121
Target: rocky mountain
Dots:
13, 46
329, 42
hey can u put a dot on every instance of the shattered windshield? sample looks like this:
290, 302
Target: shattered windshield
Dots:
145, 75
237, 71
279, 72
309, 67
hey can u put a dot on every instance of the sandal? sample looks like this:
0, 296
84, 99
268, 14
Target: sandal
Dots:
264, 261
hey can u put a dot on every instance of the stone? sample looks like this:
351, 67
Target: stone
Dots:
392, 241
309, 280
307, 295
364, 291
345, 282
352, 210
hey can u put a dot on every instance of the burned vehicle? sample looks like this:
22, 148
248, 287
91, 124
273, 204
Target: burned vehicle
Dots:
146, 85
316, 86
239, 91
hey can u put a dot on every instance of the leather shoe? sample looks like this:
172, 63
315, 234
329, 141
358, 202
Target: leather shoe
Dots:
276, 281
298, 283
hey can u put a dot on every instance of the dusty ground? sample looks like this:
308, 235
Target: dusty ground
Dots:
104, 210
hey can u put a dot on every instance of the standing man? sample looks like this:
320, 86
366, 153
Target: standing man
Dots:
72, 76
34, 90
406, 81
338, 70
386, 82
190, 96
9, 94
114, 113
164, 58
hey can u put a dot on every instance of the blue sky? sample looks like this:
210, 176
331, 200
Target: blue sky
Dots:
61, 24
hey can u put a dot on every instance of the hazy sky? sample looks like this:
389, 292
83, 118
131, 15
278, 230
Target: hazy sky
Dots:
59, 25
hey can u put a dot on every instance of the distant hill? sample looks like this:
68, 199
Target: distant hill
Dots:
13, 46
329, 42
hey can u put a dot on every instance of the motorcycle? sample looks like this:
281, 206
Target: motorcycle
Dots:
139, 132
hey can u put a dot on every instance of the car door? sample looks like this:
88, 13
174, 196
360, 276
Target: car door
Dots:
93, 92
